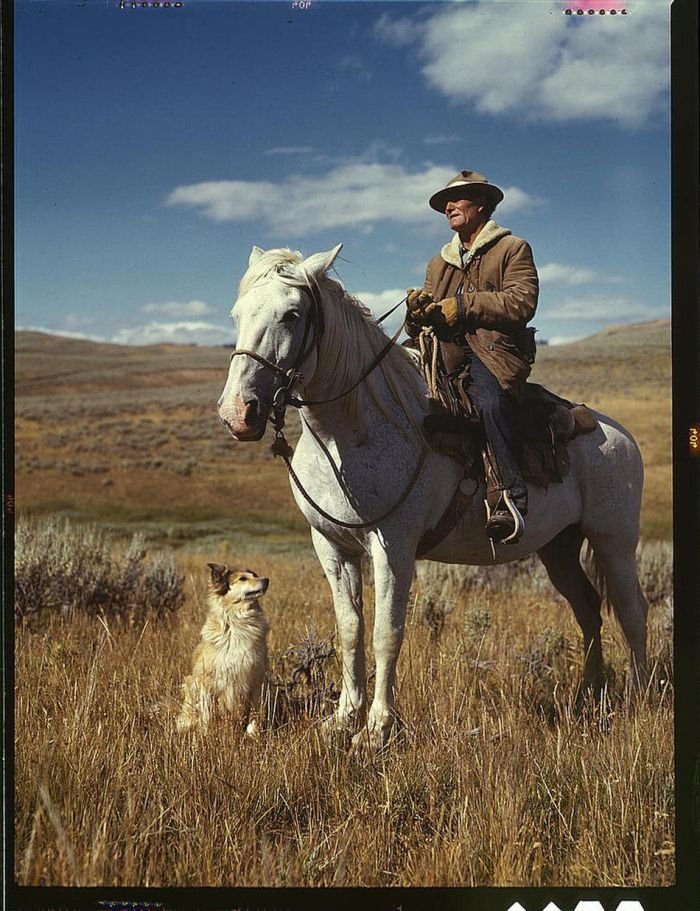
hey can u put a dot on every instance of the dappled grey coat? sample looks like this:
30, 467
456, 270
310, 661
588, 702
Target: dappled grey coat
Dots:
497, 290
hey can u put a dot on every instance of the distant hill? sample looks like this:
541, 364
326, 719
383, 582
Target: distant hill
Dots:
129, 436
52, 363
650, 333
633, 359
637, 352
623, 360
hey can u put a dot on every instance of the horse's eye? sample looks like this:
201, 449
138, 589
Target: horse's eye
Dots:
290, 316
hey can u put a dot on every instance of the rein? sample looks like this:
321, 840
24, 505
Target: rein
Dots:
297, 402
281, 448
283, 397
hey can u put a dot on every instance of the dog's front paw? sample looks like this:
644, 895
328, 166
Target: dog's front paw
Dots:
253, 729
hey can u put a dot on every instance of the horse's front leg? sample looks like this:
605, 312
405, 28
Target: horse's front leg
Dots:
393, 573
344, 574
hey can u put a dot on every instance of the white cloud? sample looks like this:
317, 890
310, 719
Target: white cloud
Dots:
537, 63
516, 200
226, 200
376, 150
355, 66
355, 194
63, 333
397, 32
561, 274
564, 339
185, 332
175, 308
618, 70
381, 302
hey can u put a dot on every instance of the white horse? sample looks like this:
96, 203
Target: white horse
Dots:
367, 482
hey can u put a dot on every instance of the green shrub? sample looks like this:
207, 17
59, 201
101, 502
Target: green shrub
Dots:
543, 652
64, 567
477, 622
655, 562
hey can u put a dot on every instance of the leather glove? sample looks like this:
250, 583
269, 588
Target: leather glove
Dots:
443, 316
416, 302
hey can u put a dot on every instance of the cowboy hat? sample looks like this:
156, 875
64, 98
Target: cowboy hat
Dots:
459, 187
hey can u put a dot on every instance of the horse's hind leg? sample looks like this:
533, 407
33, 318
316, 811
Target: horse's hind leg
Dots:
616, 561
561, 559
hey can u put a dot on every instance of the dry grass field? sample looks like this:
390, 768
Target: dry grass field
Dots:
496, 779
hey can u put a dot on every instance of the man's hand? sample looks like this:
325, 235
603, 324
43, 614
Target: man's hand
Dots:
442, 316
417, 300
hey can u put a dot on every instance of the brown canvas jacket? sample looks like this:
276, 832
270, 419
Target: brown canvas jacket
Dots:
498, 291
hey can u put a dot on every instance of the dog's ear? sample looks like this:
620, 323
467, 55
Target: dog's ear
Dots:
219, 577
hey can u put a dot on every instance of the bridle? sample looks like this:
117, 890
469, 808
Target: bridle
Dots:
313, 333
282, 398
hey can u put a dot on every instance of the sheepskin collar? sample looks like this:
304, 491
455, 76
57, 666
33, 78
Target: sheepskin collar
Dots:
489, 234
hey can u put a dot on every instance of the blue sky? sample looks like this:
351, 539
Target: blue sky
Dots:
154, 147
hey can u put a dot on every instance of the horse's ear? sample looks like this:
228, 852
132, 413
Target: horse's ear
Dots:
320, 263
255, 255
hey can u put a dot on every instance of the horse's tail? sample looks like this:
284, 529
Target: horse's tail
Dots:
596, 573
614, 572
616, 602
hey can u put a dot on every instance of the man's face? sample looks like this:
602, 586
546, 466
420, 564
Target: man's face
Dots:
464, 216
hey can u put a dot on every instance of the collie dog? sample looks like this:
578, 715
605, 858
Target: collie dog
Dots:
228, 665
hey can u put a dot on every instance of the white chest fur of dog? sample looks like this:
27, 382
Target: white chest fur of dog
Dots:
228, 665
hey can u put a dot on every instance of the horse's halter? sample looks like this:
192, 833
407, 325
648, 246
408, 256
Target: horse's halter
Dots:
314, 320
313, 332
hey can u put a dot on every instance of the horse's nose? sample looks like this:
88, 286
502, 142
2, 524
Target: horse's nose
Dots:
236, 411
240, 416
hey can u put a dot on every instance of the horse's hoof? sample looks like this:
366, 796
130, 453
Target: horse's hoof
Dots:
336, 733
364, 746
370, 743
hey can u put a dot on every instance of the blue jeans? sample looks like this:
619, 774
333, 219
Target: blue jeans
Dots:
499, 415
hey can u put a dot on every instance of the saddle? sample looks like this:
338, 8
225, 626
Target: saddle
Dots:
547, 423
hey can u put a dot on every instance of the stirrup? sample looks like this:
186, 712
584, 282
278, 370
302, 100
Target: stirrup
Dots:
518, 520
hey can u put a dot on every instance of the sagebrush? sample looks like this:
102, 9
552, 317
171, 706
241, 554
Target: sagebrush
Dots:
67, 568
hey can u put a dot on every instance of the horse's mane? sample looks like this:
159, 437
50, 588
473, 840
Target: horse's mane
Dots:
268, 262
351, 339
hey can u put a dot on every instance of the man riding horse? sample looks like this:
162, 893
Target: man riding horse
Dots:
480, 291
